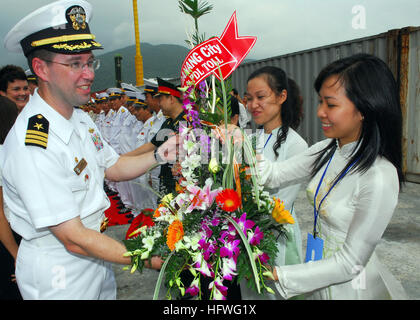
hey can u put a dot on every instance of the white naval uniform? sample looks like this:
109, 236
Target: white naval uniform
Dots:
107, 133
107, 125
157, 122
125, 145
142, 197
42, 190
100, 119
116, 124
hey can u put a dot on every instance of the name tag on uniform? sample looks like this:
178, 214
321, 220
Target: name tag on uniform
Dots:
80, 166
314, 248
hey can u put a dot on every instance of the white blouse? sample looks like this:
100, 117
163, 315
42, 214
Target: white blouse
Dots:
352, 220
290, 251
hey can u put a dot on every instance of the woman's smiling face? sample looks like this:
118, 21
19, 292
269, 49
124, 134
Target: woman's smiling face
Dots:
18, 92
340, 119
264, 104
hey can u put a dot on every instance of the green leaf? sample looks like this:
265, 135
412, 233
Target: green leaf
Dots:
160, 278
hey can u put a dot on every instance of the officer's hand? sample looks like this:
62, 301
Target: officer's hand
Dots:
168, 150
232, 132
156, 263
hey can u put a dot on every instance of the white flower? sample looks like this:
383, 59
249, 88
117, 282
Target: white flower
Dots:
167, 199
189, 146
148, 242
214, 166
145, 255
192, 241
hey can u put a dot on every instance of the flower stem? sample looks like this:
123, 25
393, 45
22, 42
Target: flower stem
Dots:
215, 276
160, 278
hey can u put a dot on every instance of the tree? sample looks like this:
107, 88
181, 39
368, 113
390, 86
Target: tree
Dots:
196, 9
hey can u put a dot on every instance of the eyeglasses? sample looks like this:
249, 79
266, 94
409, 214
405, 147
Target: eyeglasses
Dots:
77, 66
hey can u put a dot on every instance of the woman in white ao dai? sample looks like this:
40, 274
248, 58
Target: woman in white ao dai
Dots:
360, 113
274, 102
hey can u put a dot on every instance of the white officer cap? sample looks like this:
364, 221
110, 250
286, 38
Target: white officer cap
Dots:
61, 27
131, 95
128, 87
102, 95
140, 96
114, 92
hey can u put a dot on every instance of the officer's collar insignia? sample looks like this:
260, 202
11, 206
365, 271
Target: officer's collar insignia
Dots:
37, 131
76, 16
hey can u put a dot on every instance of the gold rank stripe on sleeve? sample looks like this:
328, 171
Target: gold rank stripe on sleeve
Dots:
37, 132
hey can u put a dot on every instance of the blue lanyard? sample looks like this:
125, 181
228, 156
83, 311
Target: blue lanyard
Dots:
268, 140
316, 211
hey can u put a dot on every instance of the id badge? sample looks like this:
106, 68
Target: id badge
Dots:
314, 248
80, 166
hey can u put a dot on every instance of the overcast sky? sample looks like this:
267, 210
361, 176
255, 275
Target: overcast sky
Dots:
281, 26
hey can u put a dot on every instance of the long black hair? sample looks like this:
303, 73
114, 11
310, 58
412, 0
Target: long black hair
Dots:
371, 86
291, 109
8, 115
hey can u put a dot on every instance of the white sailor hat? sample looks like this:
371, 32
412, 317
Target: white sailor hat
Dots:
30, 76
140, 96
102, 96
128, 87
60, 26
114, 92
131, 95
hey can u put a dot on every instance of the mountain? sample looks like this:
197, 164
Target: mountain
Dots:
163, 60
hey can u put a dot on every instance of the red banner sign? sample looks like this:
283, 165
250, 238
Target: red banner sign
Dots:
226, 52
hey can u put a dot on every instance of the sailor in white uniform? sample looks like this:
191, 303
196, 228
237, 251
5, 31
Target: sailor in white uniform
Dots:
143, 197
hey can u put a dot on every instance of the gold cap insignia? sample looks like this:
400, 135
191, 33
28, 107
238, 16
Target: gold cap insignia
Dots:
77, 16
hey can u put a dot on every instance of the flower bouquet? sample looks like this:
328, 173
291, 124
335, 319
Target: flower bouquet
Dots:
219, 224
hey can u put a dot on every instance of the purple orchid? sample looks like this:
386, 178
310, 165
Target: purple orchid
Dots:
208, 248
201, 265
263, 257
205, 143
202, 87
244, 224
193, 289
228, 268
215, 222
255, 237
231, 248
220, 291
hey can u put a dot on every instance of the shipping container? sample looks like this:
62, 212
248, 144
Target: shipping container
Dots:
399, 48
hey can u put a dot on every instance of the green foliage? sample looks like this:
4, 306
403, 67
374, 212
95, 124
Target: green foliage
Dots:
195, 9
217, 117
